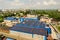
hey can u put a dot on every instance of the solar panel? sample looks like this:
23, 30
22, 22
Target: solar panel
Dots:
31, 26
40, 31
11, 18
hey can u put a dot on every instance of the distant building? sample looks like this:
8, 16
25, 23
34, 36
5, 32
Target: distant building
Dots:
23, 19
45, 19
4, 10
31, 16
58, 10
10, 21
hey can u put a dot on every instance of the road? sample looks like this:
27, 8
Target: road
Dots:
54, 28
53, 32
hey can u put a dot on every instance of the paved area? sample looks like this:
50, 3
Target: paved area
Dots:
22, 37
14, 36
53, 34
55, 29
49, 37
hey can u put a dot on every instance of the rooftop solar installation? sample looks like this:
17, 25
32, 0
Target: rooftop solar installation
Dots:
30, 26
10, 18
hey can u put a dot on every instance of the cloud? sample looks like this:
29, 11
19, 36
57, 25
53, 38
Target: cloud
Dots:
29, 4
1, 0
30, 0
37, 4
51, 2
45, 3
17, 3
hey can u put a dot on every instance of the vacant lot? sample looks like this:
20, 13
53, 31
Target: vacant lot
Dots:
58, 27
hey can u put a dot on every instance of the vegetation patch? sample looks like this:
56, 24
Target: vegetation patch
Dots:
1, 19
58, 27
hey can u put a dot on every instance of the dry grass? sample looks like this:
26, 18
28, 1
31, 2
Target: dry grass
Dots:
3, 30
24, 39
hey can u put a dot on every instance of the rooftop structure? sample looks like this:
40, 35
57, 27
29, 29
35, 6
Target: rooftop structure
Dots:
31, 26
46, 19
11, 18
23, 19
10, 21
31, 16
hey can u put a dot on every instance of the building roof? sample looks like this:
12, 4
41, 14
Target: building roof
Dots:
10, 18
31, 26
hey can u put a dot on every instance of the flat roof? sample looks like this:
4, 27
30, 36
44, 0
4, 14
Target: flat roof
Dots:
10, 18
31, 26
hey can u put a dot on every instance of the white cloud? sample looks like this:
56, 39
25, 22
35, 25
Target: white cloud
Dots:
1, 0
30, 0
45, 3
37, 4
16, 0
17, 3
29, 4
51, 2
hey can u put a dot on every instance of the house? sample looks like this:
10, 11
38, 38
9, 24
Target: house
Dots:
10, 21
31, 16
46, 19
31, 29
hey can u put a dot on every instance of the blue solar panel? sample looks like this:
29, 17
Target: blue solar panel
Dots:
23, 19
11, 18
31, 26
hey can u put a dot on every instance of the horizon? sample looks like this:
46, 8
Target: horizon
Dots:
29, 4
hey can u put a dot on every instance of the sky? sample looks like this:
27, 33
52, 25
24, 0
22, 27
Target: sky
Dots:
30, 4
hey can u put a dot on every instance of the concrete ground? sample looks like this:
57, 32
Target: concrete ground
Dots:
14, 36
22, 37
53, 34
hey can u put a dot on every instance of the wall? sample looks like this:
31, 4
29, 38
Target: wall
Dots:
27, 35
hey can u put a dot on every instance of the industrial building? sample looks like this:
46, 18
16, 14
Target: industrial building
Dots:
45, 19
31, 16
10, 21
31, 29
22, 19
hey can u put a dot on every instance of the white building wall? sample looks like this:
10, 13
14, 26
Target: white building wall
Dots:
26, 35
10, 23
38, 37
31, 16
45, 20
7, 20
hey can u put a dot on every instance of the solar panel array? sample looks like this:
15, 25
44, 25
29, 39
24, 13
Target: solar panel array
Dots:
11, 18
31, 26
